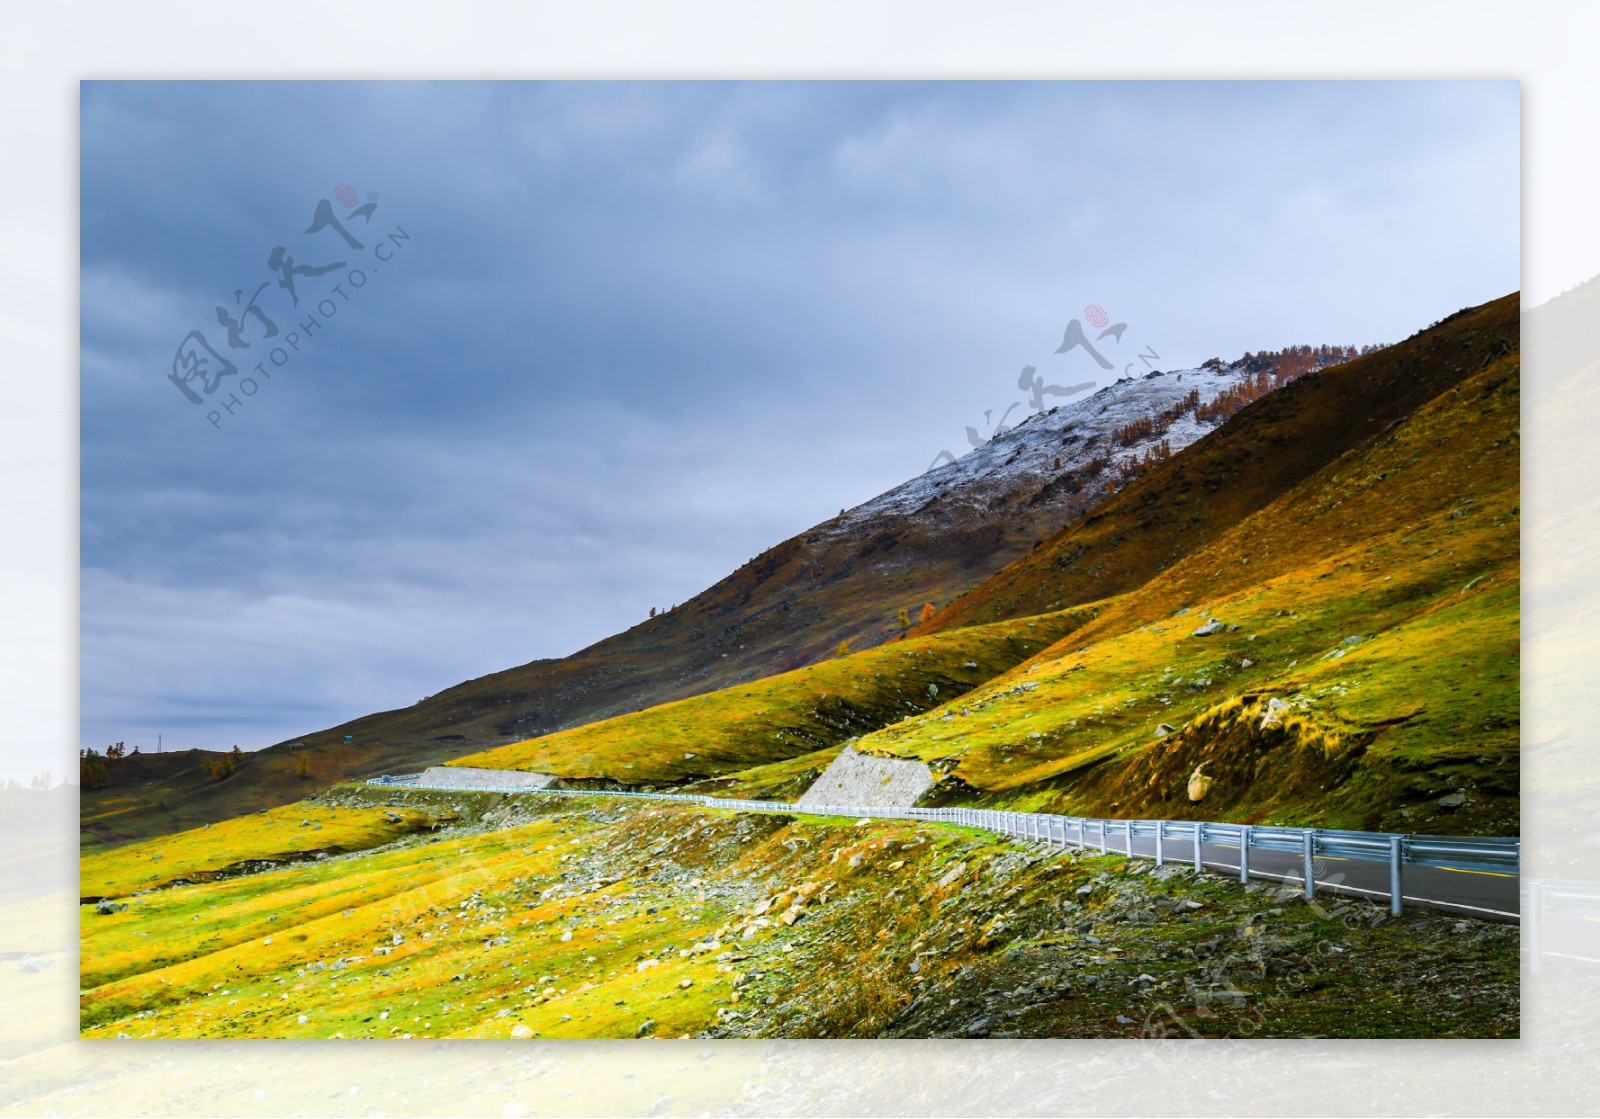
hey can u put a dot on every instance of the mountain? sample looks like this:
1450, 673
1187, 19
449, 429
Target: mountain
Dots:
926, 541
843, 580
1310, 616
1262, 453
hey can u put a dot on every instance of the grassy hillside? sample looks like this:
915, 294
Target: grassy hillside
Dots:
1378, 600
793, 716
574, 919
149, 795
289, 834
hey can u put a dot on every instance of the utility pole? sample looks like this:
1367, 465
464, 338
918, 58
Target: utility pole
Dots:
158, 744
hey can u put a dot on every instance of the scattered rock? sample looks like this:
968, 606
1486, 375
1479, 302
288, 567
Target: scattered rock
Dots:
1164, 729
645, 1027
1454, 800
1212, 626
521, 1032
1199, 784
106, 906
1274, 715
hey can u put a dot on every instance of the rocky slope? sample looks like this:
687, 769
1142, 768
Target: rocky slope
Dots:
594, 919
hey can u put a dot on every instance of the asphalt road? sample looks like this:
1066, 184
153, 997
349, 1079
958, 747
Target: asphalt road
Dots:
1471, 893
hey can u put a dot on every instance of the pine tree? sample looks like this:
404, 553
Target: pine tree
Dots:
302, 768
843, 650
904, 619
928, 611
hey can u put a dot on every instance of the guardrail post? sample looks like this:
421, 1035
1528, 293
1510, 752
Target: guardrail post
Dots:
1083, 838
1103, 848
1199, 865
1394, 875
1128, 827
1307, 840
1161, 827
1244, 853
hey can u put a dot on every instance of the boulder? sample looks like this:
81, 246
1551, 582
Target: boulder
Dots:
1199, 784
1274, 714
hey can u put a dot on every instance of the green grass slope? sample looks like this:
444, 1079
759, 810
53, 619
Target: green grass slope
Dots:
149, 795
288, 834
796, 716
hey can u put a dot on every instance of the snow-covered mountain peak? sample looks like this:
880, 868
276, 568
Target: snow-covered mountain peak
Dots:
1065, 439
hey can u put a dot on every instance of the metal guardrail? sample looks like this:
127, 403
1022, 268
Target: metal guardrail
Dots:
1495, 855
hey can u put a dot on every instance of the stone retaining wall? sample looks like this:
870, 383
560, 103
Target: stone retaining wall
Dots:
869, 781
484, 778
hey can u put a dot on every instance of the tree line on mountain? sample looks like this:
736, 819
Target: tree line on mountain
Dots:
1268, 371
94, 767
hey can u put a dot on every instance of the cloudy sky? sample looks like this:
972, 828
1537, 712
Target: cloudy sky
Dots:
581, 349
